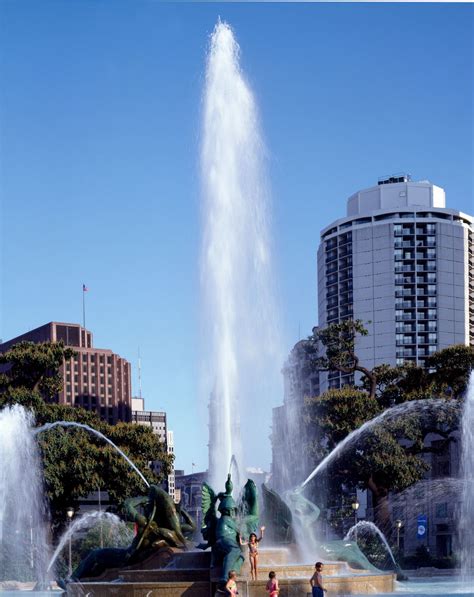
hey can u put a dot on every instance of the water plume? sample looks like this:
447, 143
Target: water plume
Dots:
23, 513
466, 519
241, 327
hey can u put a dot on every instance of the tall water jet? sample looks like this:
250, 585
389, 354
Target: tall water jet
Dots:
240, 325
23, 514
466, 519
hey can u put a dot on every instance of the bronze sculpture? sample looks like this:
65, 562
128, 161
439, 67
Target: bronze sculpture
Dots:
160, 525
222, 533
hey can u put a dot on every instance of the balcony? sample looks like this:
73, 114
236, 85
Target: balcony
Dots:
404, 292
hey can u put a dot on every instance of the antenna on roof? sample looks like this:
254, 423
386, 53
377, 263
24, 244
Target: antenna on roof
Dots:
139, 375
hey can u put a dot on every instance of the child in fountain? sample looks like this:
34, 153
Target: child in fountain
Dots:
231, 585
253, 551
272, 587
316, 581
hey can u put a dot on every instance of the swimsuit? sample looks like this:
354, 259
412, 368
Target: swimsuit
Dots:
272, 588
253, 550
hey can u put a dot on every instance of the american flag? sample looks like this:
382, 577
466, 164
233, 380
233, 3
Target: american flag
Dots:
84, 288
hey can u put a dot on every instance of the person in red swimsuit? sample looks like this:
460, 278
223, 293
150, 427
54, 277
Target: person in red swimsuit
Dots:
253, 551
272, 587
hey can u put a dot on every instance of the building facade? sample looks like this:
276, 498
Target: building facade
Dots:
403, 263
157, 420
94, 378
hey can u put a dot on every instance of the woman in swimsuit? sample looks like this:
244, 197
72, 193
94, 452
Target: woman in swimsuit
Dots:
253, 551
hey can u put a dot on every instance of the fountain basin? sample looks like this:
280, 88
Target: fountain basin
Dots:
188, 574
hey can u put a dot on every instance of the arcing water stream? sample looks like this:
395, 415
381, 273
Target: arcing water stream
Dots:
239, 306
85, 522
365, 527
97, 434
417, 407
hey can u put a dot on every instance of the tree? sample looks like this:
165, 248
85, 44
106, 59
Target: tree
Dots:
387, 457
76, 463
30, 373
338, 340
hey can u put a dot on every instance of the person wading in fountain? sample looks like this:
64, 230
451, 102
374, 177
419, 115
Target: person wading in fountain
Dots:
231, 585
272, 587
316, 581
253, 551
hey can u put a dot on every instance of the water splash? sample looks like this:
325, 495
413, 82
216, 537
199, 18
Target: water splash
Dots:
85, 522
366, 527
100, 435
417, 407
23, 514
241, 327
466, 519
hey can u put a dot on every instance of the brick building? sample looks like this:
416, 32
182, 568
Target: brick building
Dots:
96, 379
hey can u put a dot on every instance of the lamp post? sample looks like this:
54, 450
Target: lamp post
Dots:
355, 506
398, 524
70, 514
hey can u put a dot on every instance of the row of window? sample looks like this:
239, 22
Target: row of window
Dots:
399, 215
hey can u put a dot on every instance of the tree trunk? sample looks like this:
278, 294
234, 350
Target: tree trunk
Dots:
381, 507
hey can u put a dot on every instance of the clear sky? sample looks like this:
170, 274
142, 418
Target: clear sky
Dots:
100, 125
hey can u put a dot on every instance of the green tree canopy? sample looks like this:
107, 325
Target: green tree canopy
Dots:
390, 456
76, 463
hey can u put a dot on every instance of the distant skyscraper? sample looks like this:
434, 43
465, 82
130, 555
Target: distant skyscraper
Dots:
157, 420
95, 378
404, 264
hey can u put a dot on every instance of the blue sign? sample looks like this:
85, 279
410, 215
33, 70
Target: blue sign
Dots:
422, 526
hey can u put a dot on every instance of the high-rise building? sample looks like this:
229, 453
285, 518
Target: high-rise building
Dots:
96, 379
154, 419
157, 420
403, 263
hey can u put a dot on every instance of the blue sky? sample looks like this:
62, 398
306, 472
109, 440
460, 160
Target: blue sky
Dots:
99, 135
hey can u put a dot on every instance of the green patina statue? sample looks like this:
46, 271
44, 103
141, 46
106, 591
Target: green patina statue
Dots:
160, 523
222, 533
294, 516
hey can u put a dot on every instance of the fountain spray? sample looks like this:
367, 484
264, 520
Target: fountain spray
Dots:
236, 274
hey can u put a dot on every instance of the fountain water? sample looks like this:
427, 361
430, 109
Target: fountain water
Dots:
23, 514
365, 527
24, 545
97, 434
239, 305
85, 522
466, 519
415, 407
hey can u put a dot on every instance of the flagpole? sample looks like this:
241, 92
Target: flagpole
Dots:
83, 306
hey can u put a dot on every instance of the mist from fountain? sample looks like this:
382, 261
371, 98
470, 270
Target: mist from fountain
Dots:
240, 324
87, 521
466, 518
98, 434
24, 545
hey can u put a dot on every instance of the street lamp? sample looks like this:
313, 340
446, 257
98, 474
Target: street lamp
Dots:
398, 524
70, 514
355, 506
